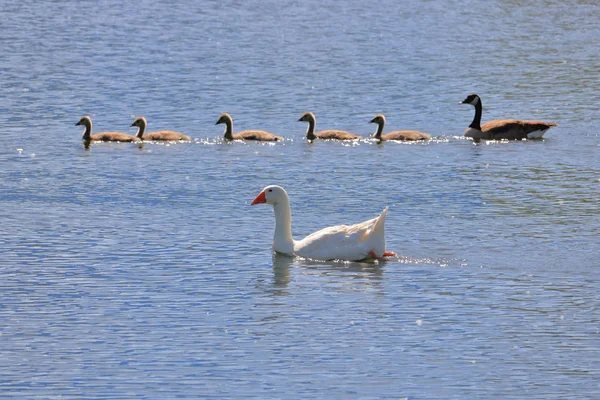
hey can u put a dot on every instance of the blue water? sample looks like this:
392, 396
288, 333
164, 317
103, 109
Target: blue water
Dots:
142, 271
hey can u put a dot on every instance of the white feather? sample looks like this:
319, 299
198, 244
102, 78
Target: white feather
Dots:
345, 242
536, 134
342, 242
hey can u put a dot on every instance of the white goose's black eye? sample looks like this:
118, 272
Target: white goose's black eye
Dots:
270, 190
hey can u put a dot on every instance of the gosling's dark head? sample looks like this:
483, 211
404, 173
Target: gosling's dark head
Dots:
139, 122
307, 117
224, 119
378, 119
85, 121
472, 99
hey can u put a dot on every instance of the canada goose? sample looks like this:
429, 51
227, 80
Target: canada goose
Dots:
328, 134
379, 119
140, 122
511, 129
244, 135
103, 136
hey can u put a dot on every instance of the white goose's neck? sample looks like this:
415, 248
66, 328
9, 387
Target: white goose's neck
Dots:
282, 239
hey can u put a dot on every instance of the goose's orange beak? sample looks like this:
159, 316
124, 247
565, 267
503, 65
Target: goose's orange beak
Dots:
261, 198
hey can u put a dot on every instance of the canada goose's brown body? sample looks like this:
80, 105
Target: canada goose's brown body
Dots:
140, 122
256, 135
379, 119
509, 129
327, 134
103, 136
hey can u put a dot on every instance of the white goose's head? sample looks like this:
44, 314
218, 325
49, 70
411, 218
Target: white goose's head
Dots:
272, 194
472, 99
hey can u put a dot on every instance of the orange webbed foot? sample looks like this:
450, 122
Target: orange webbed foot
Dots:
385, 254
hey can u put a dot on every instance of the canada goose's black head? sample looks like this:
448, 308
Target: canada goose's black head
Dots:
224, 119
472, 99
85, 121
307, 117
378, 119
139, 122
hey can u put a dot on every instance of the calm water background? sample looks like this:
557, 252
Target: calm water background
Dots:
142, 272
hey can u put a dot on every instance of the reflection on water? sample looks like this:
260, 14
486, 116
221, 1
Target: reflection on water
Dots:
281, 269
372, 270
133, 271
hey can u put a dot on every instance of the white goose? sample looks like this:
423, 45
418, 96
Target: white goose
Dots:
350, 243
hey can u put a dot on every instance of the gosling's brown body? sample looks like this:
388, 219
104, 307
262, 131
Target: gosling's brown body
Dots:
255, 135
507, 129
262, 136
103, 136
141, 123
113, 137
326, 134
406, 136
166, 135
379, 119
337, 135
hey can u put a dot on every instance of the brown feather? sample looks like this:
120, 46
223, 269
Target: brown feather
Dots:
166, 135
103, 136
508, 129
406, 136
335, 134
257, 135
262, 136
513, 129
113, 137
326, 134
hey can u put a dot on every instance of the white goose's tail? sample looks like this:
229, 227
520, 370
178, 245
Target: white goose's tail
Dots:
377, 235
379, 223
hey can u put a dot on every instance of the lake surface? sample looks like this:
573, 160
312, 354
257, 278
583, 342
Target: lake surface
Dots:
134, 271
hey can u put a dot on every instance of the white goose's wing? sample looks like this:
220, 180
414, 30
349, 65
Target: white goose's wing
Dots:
345, 242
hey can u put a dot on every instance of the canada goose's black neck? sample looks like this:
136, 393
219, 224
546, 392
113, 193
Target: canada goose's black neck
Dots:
228, 129
310, 132
476, 124
380, 125
141, 129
